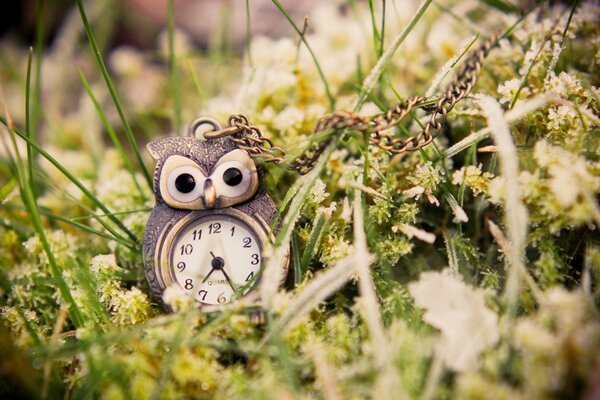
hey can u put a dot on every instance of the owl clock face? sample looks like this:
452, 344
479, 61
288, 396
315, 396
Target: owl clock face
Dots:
210, 224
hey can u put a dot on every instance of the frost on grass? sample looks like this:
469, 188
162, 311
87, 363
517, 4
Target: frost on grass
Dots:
520, 155
458, 310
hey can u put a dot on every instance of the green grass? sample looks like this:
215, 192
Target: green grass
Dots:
25, 181
73, 179
174, 72
113, 93
301, 34
110, 131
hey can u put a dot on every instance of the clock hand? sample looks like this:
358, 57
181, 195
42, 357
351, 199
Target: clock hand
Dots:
217, 263
208, 275
223, 268
228, 280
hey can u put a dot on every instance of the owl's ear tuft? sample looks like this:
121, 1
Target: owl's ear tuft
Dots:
156, 148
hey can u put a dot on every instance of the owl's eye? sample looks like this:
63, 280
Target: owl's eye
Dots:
232, 179
233, 176
185, 183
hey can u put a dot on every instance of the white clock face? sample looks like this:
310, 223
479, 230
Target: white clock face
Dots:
216, 258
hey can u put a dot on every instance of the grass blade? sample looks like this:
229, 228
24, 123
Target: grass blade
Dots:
363, 259
98, 217
382, 32
324, 284
388, 380
502, 5
312, 54
515, 211
373, 77
295, 254
113, 93
376, 37
529, 68
86, 228
75, 223
248, 34
445, 70
271, 276
460, 216
39, 57
173, 72
73, 179
110, 131
28, 116
312, 246
28, 197
558, 47
196, 81
7, 189
524, 109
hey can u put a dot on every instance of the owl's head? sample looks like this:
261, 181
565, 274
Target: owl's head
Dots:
197, 174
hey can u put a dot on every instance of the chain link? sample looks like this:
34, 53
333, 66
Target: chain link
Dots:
251, 139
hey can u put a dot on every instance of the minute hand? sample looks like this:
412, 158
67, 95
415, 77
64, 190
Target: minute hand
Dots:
223, 269
228, 280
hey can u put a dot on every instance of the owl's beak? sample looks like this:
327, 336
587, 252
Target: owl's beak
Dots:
210, 194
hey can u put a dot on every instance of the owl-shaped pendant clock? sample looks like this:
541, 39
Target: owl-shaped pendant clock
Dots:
211, 221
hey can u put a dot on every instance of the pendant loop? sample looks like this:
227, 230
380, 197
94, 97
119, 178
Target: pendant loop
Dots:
200, 127
230, 130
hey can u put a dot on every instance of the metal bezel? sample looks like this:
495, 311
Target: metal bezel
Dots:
164, 272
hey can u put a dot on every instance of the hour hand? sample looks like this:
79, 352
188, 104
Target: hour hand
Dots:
208, 275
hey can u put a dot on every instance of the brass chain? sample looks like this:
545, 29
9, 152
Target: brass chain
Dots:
251, 139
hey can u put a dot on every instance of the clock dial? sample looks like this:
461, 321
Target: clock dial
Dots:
216, 258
